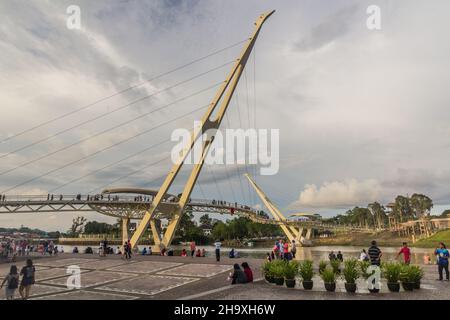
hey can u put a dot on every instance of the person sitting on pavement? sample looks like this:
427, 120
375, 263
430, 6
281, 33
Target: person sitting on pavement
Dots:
183, 253
238, 276
248, 272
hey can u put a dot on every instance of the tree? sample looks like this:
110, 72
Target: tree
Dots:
77, 225
402, 208
379, 214
421, 205
94, 227
206, 221
445, 213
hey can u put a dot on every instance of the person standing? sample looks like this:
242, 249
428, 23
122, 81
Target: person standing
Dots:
406, 253
192, 248
375, 254
27, 274
12, 282
293, 249
286, 255
217, 244
442, 256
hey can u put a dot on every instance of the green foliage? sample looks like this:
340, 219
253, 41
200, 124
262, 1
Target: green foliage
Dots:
335, 265
322, 266
328, 275
277, 268
416, 273
94, 227
420, 204
265, 269
240, 228
391, 271
363, 265
406, 273
291, 269
306, 270
351, 270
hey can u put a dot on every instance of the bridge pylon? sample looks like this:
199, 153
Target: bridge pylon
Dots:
207, 126
291, 232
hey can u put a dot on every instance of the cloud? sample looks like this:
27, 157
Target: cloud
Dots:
337, 194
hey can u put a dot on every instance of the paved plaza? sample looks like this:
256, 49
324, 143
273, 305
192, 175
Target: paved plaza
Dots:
155, 277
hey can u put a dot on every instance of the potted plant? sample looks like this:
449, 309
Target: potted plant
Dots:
416, 275
329, 278
391, 271
266, 270
277, 270
290, 272
306, 272
350, 274
322, 266
336, 265
407, 277
364, 265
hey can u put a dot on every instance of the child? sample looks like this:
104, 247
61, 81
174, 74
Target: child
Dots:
12, 281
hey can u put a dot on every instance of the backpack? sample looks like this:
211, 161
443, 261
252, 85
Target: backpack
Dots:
13, 283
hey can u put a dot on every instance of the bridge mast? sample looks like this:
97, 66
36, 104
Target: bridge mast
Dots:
289, 231
223, 97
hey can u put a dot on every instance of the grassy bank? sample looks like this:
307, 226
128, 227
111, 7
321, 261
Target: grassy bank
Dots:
432, 242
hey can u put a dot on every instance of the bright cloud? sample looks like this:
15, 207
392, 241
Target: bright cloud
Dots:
339, 194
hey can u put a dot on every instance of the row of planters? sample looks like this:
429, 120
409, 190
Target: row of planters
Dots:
282, 272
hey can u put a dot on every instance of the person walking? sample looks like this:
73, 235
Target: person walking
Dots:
193, 247
218, 245
406, 253
28, 277
442, 260
375, 254
12, 283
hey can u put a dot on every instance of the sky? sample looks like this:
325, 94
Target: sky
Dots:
363, 114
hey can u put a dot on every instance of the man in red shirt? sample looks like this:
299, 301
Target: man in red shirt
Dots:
406, 253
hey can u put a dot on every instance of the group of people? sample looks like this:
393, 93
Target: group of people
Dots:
11, 281
339, 256
283, 250
10, 249
240, 276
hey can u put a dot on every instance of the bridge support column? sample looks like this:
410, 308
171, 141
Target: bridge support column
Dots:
308, 234
125, 223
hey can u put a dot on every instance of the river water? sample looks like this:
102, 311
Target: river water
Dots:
312, 253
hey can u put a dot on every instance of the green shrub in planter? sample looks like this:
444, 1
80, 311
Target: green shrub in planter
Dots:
290, 272
336, 265
277, 268
391, 271
322, 266
407, 277
329, 278
350, 274
306, 271
416, 275
363, 265
265, 269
